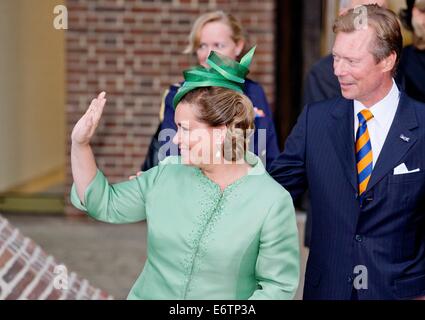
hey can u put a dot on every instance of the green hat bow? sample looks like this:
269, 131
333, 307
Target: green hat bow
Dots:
224, 72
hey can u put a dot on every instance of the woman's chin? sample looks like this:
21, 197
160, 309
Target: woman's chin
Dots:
185, 155
191, 160
186, 160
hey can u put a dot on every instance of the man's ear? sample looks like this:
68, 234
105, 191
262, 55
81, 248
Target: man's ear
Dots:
389, 62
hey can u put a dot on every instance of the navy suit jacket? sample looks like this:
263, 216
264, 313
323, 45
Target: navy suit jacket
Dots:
321, 82
386, 233
411, 72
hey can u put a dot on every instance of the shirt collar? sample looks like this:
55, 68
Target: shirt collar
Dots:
384, 110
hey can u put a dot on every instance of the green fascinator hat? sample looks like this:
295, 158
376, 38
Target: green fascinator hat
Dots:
224, 72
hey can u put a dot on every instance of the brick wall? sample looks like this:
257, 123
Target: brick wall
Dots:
29, 273
132, 49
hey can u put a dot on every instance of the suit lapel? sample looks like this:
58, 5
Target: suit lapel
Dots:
399, 141
341, 132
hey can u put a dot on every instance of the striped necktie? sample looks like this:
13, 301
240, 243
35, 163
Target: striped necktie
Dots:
364, 154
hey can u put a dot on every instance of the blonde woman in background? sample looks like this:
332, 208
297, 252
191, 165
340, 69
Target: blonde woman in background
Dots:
223, 33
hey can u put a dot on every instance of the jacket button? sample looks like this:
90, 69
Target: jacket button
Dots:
359, 238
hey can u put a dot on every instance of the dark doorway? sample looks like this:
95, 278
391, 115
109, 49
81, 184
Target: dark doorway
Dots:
298, 33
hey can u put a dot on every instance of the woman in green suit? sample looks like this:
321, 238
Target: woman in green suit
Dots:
219, 227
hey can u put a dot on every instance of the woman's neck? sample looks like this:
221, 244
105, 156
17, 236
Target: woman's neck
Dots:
226, 174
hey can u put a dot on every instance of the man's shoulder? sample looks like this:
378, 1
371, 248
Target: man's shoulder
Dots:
408, 50
329, 104
324, 64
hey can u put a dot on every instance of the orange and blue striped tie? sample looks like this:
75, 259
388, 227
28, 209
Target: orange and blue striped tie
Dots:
364, 154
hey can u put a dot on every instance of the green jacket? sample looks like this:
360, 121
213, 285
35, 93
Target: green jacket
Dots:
204, 243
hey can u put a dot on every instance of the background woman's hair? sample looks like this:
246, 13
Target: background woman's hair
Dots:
218, 106
226, 18
406, 15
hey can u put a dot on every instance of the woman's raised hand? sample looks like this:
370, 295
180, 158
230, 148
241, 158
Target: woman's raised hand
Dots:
86, 126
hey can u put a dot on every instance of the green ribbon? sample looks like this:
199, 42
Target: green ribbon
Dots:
247, 59
224, 72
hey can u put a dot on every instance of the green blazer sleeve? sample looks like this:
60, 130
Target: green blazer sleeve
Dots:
118, 203
277, 268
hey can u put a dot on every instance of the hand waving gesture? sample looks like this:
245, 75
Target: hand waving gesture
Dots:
86, 126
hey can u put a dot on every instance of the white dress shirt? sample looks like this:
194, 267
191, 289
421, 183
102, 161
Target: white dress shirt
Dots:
383, 116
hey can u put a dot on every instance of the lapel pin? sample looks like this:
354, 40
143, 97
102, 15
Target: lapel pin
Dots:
404, 138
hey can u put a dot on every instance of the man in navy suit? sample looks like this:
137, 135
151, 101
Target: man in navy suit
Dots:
322, 84
362, 157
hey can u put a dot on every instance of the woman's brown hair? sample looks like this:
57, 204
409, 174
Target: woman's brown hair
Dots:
218, 106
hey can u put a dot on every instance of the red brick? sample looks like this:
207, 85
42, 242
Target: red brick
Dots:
5, 257
17, 266
20, 287
38, 290
54, 295
38, 268
148, 37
